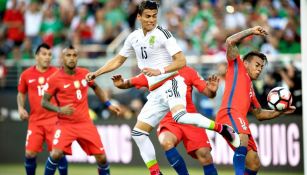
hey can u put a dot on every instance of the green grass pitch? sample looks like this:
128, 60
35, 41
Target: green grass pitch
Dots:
86, 169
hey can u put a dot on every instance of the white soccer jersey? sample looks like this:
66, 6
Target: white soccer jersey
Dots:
155, 50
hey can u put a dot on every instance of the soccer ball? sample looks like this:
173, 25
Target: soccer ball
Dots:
279, 98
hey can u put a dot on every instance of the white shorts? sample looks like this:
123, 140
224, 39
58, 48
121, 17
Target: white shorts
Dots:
162, 99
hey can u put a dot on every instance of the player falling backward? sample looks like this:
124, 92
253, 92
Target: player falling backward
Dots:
239, 98
159, 57
171, 133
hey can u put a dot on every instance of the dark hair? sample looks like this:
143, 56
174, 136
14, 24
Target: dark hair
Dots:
147, 4
251, 54
43, 45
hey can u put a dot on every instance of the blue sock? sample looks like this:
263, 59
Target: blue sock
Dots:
104, 169
63, 166
239, 160
176, 161
50, 166
250, 172
210, 169
30, 165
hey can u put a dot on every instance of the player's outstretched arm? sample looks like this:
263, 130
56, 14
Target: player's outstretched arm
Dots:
120, 83
231, 42
103, 98
263, 114
179, 62
66, 110
21, 99
111, 65
212, 86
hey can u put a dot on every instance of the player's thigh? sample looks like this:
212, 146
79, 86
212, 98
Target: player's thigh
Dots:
175, 93
154, 110
34, 138
169, 136
90, 140
49, 134
64, 135
195, 138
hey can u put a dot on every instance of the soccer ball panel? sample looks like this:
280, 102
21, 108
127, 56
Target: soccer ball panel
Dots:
279, 98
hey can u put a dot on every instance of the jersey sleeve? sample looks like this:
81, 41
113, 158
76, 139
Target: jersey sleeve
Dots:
171, 46
22, 84
254, 102
139, 81
127, 50
197, 81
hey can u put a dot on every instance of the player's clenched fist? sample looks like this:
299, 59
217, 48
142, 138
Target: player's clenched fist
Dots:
66, 110
90, 76
258, 30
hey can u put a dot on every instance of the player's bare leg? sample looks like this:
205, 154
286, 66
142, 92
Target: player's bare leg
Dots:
140, 135
168, 142
252, 164
103, 165
204, 157
181, 116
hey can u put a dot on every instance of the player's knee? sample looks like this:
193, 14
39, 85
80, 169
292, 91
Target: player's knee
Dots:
167, 144
204, 156
101, 159
56, 154
30, 154
253, 162
178, 114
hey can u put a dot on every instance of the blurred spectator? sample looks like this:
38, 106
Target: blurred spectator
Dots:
33, 21
14, 23
291, 76
51, 28
2, 8
3, 70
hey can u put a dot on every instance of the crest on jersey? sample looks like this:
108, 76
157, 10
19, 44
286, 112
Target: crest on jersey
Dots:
152, 41
77, 84
41, 80
84, 82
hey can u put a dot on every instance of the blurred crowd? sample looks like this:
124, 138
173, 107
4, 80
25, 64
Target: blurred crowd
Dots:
200, 27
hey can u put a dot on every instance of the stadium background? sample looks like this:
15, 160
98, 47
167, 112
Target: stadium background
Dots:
99, 27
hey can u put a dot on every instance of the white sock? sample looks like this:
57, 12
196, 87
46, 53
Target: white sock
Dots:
144, 144
194, 119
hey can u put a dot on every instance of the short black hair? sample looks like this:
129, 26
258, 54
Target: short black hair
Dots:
249, 55
43, 45
147, 4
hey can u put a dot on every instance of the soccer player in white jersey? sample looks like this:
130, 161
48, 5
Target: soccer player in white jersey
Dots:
159, 57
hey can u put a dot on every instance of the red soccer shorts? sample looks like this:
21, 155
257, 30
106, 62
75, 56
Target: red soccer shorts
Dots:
85, 134
193, 137
240, 123
37, 134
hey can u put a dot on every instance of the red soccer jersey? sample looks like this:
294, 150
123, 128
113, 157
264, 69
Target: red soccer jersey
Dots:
32, 81
71, 89
239, 95
191, 78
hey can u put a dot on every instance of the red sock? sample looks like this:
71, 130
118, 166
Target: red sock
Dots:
154, 169
218, 127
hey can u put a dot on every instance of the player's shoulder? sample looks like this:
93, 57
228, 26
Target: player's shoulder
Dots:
82, 70
28, 71
163, 33
135, 33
